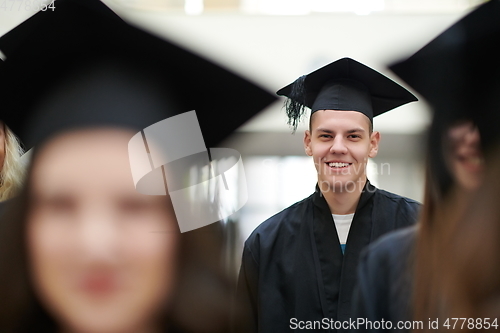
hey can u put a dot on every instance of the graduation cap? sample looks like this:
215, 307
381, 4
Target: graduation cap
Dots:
458, 72
344, 85
10, 41
82, 66
50, 78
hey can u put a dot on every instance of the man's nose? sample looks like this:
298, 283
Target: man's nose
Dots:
338, 146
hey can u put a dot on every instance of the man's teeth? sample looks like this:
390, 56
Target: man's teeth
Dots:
338, 165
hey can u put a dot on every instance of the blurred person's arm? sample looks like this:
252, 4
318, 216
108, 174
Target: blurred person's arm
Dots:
385, 283
369, 300
248, 285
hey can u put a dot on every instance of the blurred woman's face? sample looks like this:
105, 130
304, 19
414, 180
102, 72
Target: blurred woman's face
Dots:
466, 159
102, 255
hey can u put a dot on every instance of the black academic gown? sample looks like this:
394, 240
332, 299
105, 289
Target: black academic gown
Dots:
385, 282
2, 208
293, 266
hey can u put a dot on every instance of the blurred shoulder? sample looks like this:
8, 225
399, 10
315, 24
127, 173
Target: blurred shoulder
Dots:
393, 246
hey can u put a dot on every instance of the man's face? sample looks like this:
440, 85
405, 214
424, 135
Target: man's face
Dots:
340, 144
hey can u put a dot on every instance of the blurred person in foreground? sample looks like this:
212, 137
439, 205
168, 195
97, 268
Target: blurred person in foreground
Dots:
471, 271
12, 169
298, 267
81, 250
458, 74
386, 275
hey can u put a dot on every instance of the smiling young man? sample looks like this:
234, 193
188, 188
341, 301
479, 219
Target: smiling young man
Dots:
299, 267
340, 143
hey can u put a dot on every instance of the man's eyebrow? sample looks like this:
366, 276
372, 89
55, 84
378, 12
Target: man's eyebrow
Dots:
325, 130
354, 130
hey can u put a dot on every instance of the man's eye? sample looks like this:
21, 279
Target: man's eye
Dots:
325, 136
354, 136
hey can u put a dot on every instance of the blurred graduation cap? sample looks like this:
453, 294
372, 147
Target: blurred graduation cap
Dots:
458, 72
344, 85
81, 64
10, 41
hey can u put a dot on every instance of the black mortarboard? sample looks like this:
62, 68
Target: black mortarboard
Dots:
12, 39
57, 57
344, 85
459, 71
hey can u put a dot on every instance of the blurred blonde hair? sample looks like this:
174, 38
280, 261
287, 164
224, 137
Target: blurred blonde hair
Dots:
13, 171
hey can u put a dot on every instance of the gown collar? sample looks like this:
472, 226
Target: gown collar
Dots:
366, 194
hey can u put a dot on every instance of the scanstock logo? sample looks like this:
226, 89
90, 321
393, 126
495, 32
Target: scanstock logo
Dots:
170, 157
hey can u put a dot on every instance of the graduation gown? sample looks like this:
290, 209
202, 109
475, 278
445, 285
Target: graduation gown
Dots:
385, 281
293, 266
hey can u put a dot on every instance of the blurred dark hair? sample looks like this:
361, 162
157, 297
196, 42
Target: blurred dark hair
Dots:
437, 215
438, 184
441, 211
471, 267
201, 300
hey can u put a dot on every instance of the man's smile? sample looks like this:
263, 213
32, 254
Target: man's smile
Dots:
338, 164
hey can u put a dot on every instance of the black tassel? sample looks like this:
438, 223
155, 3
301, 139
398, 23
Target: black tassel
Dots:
295, 103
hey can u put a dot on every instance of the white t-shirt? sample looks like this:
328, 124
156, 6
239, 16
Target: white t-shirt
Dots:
343, 224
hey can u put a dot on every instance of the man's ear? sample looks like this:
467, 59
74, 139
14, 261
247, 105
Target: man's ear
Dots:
374, 141
307, 142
